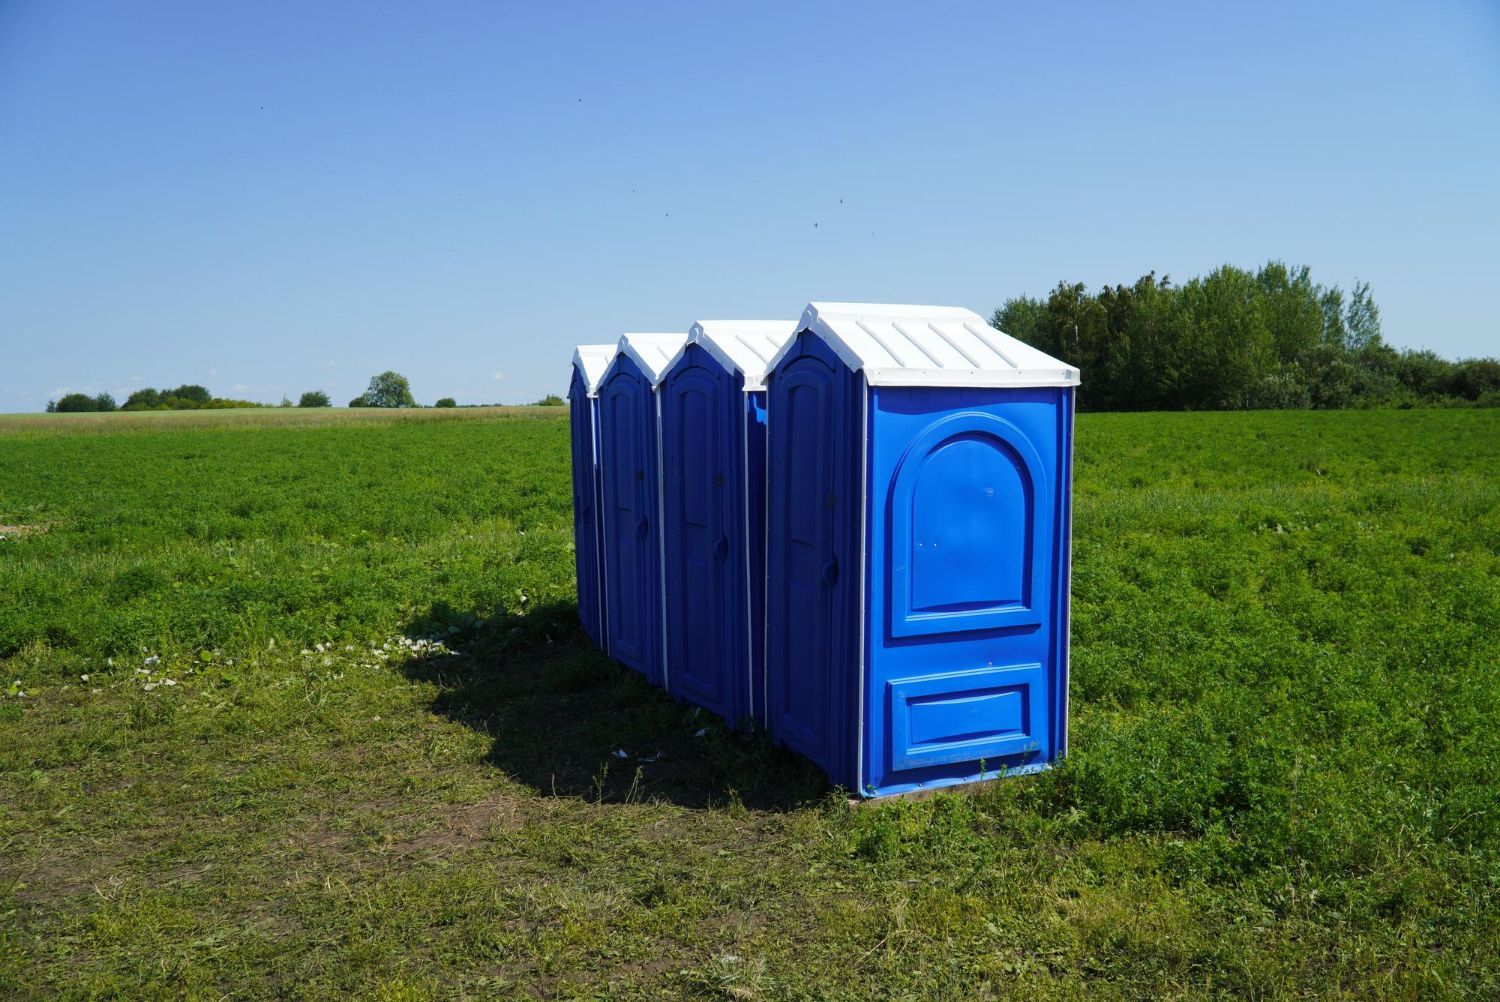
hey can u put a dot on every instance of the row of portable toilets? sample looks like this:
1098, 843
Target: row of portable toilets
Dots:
852, 530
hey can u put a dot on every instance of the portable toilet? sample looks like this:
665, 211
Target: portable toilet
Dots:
589, 363
713, 434
629, 471
919, 492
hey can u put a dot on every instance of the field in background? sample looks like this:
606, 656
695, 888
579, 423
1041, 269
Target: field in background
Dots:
293, 704
118, 422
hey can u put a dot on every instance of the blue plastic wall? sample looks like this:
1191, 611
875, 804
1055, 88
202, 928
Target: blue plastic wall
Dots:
632, 557
917, 575
586, 527
707, 575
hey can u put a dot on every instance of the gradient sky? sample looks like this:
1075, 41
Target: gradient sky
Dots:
271, 197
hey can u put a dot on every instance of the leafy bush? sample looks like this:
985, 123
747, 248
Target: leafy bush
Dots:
314, 398
1234, 340
145, 399
446, 402
188, 397
76, 403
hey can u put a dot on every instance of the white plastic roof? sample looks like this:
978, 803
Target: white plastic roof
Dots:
743, 346
591, 360
928, 346
651, 352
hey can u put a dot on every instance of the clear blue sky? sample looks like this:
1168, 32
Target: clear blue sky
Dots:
272, 197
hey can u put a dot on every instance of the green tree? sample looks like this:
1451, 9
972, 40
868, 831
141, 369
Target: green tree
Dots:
446, 402
1362, 321
1236, 338
145, 399
192, 393
314, 398
550, 400
105, 402
389, 389
359, 401
77, 403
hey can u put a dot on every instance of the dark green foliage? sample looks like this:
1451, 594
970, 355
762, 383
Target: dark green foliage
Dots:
76, 403
389, 389
191, 393
184, 398
1236, 340
145, 399
314, 398
359, 401
1281, 779
446, 402
551, 400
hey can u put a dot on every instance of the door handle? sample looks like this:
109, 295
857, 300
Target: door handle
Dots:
642, 528
831, 572
721, 548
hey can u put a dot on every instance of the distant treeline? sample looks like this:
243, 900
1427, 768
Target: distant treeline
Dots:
1235, 340
188, 397
389, 389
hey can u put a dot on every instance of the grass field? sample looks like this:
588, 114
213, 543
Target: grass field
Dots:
294, 706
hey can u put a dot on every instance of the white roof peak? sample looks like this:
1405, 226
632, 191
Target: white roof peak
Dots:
743, 346
591, 360
900, 345
650, 352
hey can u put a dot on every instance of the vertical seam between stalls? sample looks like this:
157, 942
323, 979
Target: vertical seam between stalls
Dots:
661, 537
743, 494
596, 487
765, 568
864, 520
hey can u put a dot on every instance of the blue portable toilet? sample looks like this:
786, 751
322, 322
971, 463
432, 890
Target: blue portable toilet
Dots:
589, 363
918, 530
629, 473
713, 505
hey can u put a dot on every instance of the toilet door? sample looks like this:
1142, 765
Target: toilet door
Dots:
805, 580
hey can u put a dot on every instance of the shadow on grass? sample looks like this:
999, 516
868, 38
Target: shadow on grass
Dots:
559, 711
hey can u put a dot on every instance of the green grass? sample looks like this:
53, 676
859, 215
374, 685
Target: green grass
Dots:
1286, 733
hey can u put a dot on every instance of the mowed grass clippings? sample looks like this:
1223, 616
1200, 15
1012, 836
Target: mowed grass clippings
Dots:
301, 710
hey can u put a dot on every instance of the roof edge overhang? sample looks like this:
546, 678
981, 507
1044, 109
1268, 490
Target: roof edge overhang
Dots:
629, 347
708, 335
604, 352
